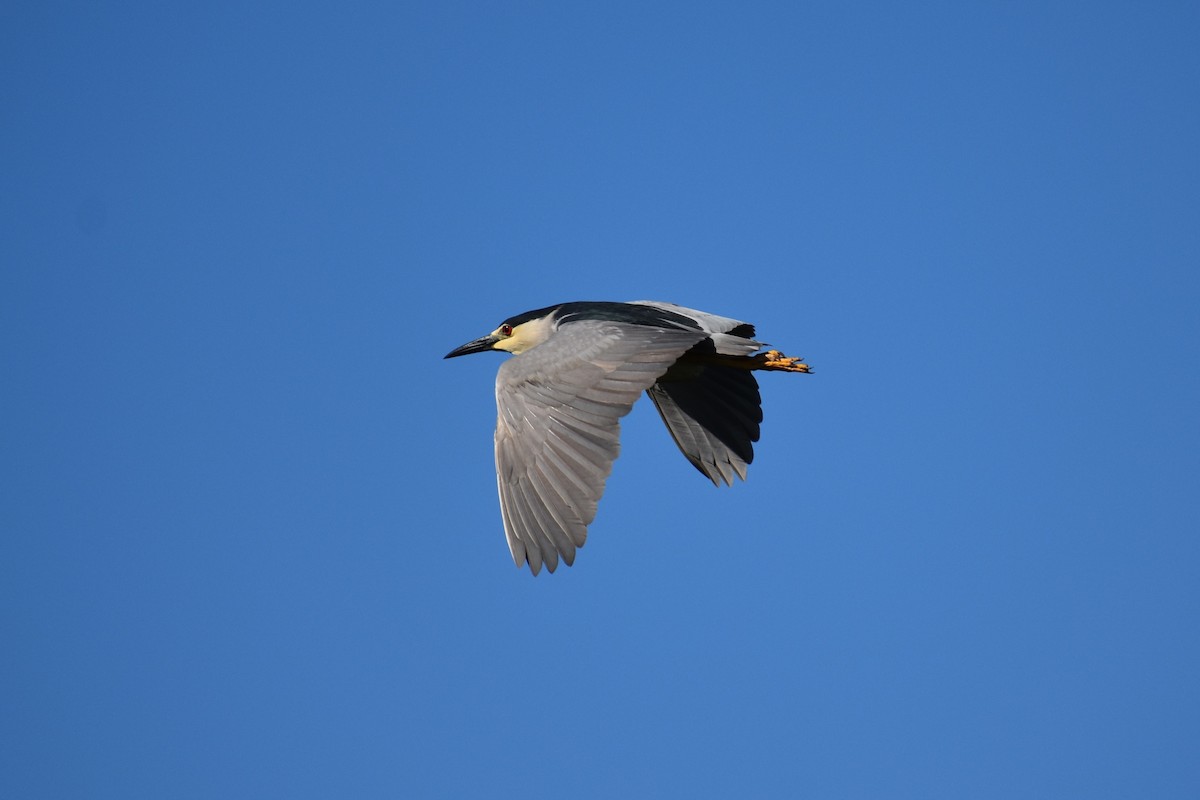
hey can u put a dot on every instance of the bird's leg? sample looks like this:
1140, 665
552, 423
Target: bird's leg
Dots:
770, 360
775, 360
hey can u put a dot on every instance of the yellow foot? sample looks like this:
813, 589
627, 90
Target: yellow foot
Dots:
773, 359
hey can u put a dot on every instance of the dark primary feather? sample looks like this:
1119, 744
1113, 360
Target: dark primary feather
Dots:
713, 414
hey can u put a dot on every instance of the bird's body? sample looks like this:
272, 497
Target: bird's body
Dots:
579, 368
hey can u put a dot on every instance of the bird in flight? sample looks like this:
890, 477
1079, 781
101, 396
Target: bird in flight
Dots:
579, 368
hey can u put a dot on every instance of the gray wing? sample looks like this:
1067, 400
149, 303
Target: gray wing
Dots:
558, 427
713, 414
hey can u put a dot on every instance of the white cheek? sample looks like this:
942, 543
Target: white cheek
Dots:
525, 337
516, 344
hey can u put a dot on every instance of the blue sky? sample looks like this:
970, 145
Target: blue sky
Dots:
251, 544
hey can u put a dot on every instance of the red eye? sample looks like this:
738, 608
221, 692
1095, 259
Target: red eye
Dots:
506, 330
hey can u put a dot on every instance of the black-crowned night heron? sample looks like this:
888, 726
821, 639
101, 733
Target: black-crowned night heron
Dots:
579, 367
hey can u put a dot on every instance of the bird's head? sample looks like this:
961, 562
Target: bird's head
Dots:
514, 335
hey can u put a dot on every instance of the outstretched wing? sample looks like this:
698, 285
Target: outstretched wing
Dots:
713, 414
558, 427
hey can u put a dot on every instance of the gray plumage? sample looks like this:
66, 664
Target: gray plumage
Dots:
579, 368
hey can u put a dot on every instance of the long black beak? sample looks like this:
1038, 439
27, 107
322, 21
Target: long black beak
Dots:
477, 346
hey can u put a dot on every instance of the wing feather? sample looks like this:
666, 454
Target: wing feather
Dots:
558, 426
714, 418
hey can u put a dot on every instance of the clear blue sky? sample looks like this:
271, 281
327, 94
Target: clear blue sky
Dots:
250, 539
